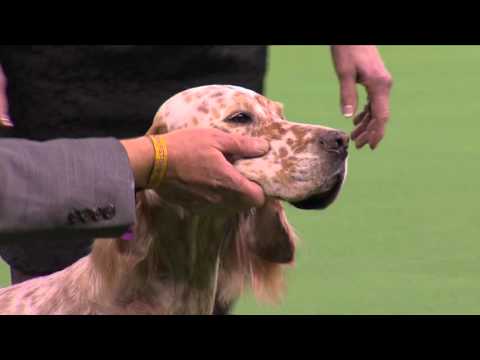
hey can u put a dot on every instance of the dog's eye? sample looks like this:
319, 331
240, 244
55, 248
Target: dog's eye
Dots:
240, 118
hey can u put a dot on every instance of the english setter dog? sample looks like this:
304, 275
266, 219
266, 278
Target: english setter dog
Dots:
179, 262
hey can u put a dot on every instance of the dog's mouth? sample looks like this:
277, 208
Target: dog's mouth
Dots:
321, 200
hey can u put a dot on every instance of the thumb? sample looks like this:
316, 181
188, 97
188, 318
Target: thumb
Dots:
239, 146
348, 96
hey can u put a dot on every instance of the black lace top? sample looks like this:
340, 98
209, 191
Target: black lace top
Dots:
96, 91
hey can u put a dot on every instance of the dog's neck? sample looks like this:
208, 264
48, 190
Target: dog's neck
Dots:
170, 267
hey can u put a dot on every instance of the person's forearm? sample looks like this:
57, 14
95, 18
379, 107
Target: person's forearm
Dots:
65, 188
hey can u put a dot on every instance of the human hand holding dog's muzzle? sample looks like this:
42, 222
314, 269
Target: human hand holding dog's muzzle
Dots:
200, 176
190, 167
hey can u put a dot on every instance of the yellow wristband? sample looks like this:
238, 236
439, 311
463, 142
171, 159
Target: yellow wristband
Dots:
160, 164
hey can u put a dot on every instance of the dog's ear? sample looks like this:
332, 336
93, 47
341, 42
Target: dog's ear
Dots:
260, 243
273, 239
159, 126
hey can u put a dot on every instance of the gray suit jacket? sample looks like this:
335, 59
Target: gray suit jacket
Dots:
62, 189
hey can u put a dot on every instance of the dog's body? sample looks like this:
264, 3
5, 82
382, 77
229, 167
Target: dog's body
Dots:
182, 260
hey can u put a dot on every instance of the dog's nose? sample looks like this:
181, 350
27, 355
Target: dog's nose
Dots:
334, 141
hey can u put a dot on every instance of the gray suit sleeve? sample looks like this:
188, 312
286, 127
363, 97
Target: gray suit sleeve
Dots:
65, 187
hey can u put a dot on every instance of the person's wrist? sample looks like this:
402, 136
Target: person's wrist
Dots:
141, 156
160, 162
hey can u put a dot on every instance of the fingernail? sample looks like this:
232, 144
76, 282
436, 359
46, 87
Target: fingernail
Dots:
348, 110
262, 145
6, 121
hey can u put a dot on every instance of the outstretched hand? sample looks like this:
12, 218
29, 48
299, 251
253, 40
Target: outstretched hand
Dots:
363, 65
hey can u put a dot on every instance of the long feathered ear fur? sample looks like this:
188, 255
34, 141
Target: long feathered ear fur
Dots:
159, 125
259, 245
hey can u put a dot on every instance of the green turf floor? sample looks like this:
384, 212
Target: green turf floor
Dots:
403, 236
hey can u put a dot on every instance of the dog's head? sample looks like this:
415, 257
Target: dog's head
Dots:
306, 166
